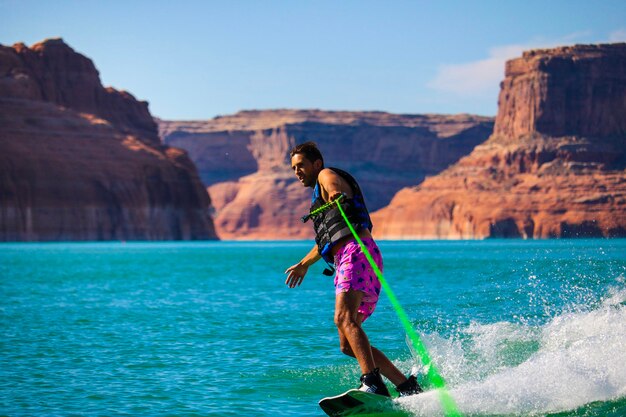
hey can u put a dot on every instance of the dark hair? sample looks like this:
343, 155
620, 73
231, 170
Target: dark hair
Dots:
309, 150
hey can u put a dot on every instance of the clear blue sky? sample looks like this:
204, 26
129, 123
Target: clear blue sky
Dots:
199, 59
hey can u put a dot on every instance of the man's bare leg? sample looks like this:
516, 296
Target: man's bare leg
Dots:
353, 340
387, 368
348, 319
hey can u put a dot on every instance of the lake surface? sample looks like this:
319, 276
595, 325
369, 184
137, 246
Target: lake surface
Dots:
515, 327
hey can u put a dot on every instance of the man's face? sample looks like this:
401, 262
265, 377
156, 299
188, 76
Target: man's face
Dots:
305, 170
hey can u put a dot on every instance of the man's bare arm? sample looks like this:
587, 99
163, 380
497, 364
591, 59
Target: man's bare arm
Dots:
333, 185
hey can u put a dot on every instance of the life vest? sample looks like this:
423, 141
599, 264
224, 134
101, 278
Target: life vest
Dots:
329, 225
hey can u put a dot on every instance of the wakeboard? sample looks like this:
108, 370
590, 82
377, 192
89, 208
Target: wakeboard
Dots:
355, 402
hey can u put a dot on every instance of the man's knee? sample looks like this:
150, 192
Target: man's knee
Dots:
344, 320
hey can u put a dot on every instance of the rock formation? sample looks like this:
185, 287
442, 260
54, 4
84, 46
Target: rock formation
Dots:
82, 162
554, 166
244, 161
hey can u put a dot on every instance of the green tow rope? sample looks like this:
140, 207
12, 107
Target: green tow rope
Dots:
433, 377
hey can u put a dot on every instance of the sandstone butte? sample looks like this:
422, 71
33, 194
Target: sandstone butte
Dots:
82, 162
554, 166
244, 160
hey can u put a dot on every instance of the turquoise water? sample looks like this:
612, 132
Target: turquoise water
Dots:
209, 329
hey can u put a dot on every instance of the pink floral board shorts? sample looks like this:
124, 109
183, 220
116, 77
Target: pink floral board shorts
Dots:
354, 272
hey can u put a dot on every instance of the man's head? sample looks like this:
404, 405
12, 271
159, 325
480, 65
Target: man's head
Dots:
306, 162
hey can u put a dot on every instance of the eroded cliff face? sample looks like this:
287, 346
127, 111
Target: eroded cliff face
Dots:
244, 160
554, 167
82, 162
567, 91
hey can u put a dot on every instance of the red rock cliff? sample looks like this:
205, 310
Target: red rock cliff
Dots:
244, 159
82, 162
554, 167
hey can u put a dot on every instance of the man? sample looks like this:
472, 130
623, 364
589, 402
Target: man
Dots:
357, 287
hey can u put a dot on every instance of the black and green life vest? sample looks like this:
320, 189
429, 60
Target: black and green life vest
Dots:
329, 225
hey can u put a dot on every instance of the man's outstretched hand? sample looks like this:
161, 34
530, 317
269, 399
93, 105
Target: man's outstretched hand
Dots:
296, 275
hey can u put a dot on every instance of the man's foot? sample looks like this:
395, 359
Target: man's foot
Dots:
409, 387
374, 384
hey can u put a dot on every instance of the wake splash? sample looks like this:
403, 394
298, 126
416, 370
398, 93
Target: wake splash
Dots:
506, 369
